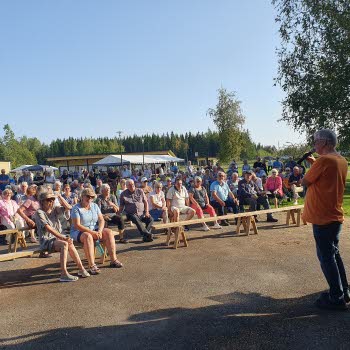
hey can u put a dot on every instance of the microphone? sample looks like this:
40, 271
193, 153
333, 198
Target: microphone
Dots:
308, 154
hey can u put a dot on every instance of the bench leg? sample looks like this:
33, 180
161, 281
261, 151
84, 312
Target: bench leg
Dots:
288, 218
168, 236
176, 241
103, 256
255, 229
239, 223
184, 238
21, 240
247, 229
298, 217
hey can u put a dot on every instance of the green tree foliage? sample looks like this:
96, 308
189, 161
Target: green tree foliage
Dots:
294, 150
314, 64
249, 149
31, 151
229, 120
15, 151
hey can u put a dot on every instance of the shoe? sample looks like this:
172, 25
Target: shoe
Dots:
68, 278
45, 255
271, 219
186, 228
116, 264
295, 202
216, 226
206, 228
94, 270
33, 240
148, 237
324, 302
123, 241
83, 273
347, 295
225, 223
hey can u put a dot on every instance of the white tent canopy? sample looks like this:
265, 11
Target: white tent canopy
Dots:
115, 160
20, 168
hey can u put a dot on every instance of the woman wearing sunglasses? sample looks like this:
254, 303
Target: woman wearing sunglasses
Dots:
48, 223
88, 226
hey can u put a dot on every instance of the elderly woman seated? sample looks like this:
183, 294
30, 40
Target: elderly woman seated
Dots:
8, 212
108, 205
48, 225
28, 208
88, 226
157, 203
273, 187
200, 202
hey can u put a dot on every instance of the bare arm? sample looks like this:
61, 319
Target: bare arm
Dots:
81, 228
56, 233
192, 200
64, 203
216, 197
20, 212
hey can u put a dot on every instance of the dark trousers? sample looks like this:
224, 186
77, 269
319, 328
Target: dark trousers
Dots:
117, 220
255, 203
229, 204
143, 224
327, 246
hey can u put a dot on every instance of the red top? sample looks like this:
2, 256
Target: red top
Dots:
273, 184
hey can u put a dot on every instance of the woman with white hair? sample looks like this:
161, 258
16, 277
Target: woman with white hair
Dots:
108, 205
8, 211
49, 178
88, 226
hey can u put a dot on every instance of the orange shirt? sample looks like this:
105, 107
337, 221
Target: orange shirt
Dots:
324, 196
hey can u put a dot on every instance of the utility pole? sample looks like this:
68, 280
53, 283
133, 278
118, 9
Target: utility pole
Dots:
120, 146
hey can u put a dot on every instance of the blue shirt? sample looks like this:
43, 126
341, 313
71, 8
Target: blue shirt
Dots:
88, 218
222, 190
4, 177
277, 164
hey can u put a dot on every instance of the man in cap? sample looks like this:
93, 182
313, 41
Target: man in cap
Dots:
249, 193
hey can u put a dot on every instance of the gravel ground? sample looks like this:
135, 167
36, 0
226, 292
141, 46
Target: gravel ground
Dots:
225, 291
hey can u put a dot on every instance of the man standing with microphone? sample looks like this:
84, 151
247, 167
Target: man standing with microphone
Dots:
323, 208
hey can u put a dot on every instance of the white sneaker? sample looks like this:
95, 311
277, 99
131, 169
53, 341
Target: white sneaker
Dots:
216, 226
295, 202
206, 228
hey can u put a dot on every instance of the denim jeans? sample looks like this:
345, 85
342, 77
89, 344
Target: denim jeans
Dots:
327, 245
229, 203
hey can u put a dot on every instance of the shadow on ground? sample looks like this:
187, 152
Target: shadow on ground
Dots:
237, 321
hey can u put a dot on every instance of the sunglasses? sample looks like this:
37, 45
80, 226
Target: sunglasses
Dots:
90, 197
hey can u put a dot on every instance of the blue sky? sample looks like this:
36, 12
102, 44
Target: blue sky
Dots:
91, 68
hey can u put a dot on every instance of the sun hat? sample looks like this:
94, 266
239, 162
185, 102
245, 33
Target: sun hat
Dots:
46, 195
87, 191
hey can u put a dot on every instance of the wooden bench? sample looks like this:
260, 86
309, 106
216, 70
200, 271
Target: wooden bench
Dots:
12, 256
246, 219
19, 238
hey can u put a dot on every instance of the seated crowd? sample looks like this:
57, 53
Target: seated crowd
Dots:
81, 207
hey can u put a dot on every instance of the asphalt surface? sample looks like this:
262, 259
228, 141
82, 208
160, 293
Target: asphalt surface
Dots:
222, 292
